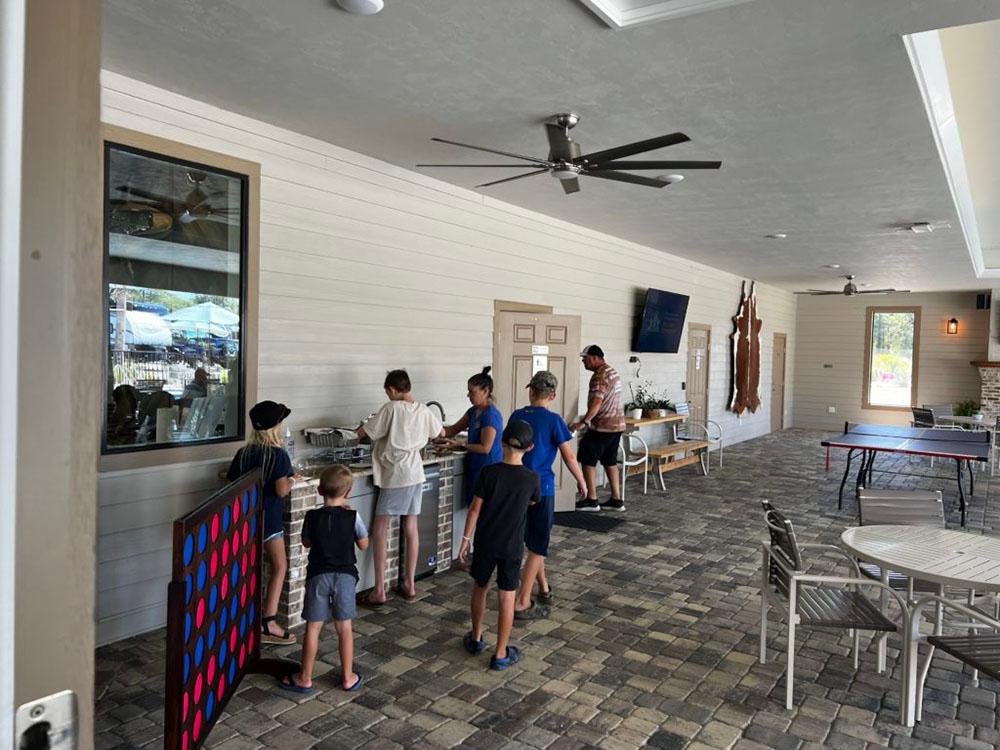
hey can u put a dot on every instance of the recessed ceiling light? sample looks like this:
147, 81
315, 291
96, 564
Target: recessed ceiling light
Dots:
361, 7
832, 265
777, 236
670, 179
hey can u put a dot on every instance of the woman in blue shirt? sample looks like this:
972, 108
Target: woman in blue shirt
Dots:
484, 423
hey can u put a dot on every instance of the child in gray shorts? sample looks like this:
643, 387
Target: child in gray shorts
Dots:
330, 533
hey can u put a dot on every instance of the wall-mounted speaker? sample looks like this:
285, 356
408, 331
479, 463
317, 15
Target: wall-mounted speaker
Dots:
982, 301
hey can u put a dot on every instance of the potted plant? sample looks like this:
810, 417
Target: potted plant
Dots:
664, 406
642, 394
967, 408
633, 410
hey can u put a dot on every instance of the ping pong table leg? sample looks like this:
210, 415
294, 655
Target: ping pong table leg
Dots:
961, 489
828, 458
867, 459
847, 471
972, 478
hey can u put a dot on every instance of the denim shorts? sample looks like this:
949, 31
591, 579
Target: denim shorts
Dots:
274, 518
538, 526
330, 596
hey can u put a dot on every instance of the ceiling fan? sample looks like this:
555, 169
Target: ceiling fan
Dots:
851, 290
152, 213
566, 163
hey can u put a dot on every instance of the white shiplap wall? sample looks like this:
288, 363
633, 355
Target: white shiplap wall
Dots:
831, 331
366, 266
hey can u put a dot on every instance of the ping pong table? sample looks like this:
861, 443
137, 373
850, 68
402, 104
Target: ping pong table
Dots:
961, 446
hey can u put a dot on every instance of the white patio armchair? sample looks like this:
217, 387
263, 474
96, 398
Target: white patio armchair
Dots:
709, 430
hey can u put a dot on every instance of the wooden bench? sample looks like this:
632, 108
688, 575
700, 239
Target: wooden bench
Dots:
678, 454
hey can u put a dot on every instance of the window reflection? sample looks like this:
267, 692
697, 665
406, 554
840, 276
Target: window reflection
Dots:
175, 244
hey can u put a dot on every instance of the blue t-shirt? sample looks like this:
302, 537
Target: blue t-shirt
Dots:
474, 462
273, 462
550, 432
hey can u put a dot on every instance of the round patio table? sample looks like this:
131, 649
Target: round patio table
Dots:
949, 558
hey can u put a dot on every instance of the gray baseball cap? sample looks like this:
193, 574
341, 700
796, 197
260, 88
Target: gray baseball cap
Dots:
543, 381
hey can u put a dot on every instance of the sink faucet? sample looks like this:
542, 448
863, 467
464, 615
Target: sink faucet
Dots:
440, 408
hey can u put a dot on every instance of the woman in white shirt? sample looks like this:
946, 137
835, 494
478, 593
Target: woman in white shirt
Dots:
399, 431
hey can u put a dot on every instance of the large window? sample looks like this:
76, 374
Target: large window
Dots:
892, 343
175, 242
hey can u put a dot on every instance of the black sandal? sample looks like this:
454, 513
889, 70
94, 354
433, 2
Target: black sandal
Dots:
266, 636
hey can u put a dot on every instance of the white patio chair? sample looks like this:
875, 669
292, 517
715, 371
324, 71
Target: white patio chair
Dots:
709, 430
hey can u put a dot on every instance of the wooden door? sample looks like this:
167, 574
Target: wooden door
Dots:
778, 383
525, 342
699, 348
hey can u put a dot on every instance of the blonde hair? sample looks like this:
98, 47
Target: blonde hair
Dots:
271, 437
335, 481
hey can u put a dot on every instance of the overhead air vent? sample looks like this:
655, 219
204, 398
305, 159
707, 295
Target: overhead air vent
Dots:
621, 14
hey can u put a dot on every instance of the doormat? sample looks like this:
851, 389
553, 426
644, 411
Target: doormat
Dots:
588, 520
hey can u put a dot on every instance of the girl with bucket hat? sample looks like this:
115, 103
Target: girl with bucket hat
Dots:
265, 451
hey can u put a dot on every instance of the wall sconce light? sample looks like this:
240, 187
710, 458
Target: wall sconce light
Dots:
953, 326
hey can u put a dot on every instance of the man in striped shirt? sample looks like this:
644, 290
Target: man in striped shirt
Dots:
605, 423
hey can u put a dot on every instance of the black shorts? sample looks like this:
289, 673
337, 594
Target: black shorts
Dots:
599, 447
508, 570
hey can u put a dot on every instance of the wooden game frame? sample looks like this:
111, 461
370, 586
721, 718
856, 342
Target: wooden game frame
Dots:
214, 610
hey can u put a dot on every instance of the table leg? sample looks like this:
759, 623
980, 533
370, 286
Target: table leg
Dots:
847, 471
828, 458
961, 489
863, 470
972, 479
884, 636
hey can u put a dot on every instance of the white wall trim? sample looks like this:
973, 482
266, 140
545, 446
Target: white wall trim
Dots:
12, 29
931, 71
616, 16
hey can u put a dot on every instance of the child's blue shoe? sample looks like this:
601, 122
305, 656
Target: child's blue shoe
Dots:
513, 657
473, 647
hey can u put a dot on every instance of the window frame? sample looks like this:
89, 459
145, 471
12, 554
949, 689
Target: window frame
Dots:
866, 373
160, 454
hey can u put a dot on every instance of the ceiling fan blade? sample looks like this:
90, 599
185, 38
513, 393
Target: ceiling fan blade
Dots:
623, 177
148, 195
493, 151
560, 144
570, 186
633, 148
657, 165
817, 292
884, 291
510, 179
512, 166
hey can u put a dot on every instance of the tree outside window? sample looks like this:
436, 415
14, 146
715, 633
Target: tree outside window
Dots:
891, 357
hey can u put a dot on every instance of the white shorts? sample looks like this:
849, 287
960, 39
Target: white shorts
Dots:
399, 501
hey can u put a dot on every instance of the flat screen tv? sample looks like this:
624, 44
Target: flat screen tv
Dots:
661, 323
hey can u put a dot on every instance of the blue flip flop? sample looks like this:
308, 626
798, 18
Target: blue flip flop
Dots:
513, 657
357, 683
472, 646
288, 683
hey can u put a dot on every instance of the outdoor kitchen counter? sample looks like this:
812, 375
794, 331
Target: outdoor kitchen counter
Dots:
362, 499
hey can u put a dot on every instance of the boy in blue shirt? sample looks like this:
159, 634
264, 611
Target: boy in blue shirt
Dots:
551, 436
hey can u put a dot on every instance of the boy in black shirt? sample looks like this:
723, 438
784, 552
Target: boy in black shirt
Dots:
499, 507
330, 534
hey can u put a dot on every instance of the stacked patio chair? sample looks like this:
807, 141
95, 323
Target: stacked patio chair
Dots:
821, 601
633, 451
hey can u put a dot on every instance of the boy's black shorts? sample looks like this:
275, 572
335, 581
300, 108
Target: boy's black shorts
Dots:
599, 447
508, 570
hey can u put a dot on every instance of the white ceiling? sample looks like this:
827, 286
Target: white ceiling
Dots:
811, 105
972, 55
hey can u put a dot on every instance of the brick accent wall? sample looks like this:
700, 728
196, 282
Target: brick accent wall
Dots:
304, 498
989, 393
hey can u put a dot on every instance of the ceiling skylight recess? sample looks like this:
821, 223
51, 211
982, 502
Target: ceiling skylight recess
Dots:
622, 14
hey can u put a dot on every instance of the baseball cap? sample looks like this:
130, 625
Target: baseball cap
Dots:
518, 434
593, 351
267, 414
543, 381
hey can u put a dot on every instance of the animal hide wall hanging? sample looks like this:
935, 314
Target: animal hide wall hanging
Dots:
746, 354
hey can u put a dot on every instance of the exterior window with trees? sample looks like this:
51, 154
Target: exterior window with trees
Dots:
892, 345
175, 250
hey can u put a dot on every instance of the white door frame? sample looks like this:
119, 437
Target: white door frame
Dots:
12, 30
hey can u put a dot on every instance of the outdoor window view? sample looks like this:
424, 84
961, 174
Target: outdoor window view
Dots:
891, 371
175, 244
